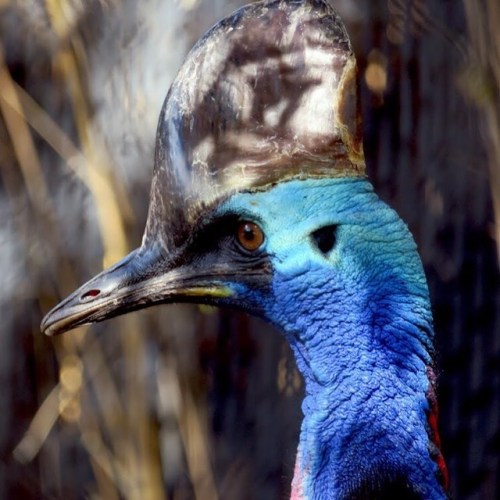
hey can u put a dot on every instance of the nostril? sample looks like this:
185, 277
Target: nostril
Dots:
90, 294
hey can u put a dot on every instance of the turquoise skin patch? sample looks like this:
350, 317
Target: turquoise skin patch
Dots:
358, 319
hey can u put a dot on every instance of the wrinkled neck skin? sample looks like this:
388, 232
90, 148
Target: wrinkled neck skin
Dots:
366, 411
359, 323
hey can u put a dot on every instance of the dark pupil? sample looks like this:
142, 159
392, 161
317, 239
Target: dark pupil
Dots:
248, 232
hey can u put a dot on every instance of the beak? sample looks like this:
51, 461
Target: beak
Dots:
143, 278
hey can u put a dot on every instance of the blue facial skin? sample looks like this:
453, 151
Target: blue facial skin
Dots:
358, 320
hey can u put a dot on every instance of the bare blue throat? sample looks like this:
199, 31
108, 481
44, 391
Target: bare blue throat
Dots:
359, 322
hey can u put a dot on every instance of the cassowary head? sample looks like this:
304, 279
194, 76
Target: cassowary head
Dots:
259, 201
267, 96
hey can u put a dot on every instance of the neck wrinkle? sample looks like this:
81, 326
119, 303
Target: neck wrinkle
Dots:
361, 411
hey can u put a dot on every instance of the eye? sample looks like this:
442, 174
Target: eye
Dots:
249, 235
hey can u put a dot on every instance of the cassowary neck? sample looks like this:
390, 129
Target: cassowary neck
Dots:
367, 430
357, 315
369, 410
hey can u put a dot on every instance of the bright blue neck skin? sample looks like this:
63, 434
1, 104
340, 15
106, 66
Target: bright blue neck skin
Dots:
358, 320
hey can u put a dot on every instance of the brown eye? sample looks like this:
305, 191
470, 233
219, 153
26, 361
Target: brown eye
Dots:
249, 235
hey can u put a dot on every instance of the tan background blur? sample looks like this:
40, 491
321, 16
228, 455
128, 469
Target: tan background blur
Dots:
183, 402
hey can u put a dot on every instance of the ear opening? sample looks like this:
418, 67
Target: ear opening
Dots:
325, 238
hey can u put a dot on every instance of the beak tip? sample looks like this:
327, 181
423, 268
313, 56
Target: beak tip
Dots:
80, 307
47, 326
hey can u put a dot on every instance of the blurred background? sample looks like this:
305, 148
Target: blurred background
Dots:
183, 402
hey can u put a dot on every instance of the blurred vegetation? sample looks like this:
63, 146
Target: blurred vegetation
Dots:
183, 402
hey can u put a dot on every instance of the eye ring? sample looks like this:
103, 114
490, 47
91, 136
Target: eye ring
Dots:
249, 235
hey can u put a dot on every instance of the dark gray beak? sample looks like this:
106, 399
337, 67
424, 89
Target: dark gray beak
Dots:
141, 279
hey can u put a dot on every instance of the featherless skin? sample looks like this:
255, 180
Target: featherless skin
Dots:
259, 202
357, 316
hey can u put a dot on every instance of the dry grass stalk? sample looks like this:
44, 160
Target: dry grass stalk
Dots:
483, 86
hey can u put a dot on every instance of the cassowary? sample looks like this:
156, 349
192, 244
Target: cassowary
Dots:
259, 201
